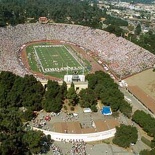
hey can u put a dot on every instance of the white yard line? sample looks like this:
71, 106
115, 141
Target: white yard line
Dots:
38, 60
73, 55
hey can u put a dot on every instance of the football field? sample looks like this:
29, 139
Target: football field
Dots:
54, 60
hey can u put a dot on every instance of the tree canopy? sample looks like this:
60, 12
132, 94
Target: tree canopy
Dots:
145, 40
138, 29
145, 121
102, 87
125, 135
36, 141
15, 140
63, 11
19, 97
72, 95
54, 96
17, 91
88, 99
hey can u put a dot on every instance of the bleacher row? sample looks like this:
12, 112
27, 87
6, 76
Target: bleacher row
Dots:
122, 57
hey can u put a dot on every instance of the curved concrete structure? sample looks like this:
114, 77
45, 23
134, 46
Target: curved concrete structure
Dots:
79, 137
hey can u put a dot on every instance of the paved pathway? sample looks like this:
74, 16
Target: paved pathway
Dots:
97, 149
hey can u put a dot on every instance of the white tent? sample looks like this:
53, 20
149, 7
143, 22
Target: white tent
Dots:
86, 110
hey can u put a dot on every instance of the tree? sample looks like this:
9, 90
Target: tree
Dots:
53, 97
27, 115
93, 108
7, 80
88, 99
15, 93
14, 97
126, 108
104, 88
6, 83
2, 22
52, 89
10, 121
13, 12
125, 135
63, 90
72, 96
11, 134
146, 121
92, 81
33, 92
138, 29
53, 105
36, 141
115, 30
13, 145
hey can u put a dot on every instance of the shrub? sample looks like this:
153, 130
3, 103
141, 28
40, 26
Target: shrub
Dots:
146, 141
72, 108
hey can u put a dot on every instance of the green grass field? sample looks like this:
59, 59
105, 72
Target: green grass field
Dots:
55, 60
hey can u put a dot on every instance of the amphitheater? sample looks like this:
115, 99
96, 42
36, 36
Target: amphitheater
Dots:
122, 57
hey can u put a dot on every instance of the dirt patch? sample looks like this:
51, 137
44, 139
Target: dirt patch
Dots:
145, 81
142, 86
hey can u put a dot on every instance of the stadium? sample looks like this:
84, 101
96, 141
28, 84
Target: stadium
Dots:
49, 51
84, 50
121, 57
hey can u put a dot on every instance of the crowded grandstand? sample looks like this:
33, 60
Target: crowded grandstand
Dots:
122, 57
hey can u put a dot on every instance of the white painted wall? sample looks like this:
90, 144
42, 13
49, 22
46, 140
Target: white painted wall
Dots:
85, 137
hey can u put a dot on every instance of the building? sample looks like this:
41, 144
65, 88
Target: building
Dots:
78, 80
43, 20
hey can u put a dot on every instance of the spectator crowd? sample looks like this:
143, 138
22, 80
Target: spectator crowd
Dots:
121, 56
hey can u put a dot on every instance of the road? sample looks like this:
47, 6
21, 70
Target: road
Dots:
136, 104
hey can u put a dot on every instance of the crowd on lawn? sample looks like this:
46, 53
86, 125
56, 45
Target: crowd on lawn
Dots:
42, 121
56, 150
78, 148
121, 56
